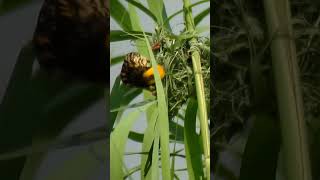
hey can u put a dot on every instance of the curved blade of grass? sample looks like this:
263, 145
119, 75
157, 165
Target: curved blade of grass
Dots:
192, 142
137, 137
131, 171
181, 11
135, 105
116, 60
160, 12
119, 13
176, 131
163, 123
155, 157
149, 136
118, 35
140, 44
143, 9
120, 96
198, 18
118, 140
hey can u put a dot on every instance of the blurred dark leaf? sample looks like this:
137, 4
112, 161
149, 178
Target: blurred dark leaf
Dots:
260, 157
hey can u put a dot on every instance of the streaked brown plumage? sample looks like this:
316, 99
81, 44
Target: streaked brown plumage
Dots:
72, 36
133, 67
137, 71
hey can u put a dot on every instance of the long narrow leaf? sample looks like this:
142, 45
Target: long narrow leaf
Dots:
198, 18
163, 123
160, 12
143, 9
116, 60
119, 13
120, 96
181, 11
118, 140
192, 142
155, 158
118, 35
149, 137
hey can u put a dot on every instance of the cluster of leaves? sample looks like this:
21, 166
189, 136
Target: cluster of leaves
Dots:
240, 50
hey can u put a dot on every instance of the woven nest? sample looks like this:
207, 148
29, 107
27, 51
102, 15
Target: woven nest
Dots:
174, 53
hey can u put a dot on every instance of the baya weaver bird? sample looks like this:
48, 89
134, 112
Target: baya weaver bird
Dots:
72, 36
137, 72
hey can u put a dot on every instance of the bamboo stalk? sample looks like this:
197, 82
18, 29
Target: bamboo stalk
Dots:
285, 69
195, 55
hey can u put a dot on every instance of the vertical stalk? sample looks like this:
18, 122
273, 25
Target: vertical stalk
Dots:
285, 69
195, 55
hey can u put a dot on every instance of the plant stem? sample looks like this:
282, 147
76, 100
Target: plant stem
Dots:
195, 55
290, 106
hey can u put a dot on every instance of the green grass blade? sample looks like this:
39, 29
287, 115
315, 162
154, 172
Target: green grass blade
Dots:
198, 18
155, 157
181, 11
118, 35
119, 13
136, 25
163, 123
192, 142
143, 9
137, 137
120, 96
118, 140
160, 12
149, 136
116, 60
